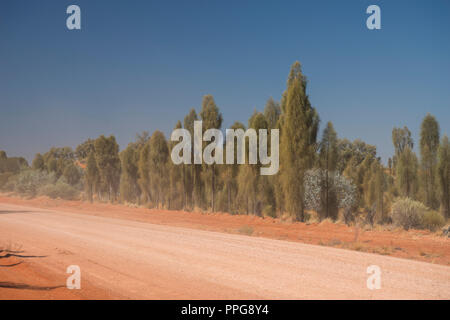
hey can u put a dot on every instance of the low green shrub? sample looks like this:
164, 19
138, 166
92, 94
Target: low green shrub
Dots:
28, 182
433, 220
408, 213
60, 190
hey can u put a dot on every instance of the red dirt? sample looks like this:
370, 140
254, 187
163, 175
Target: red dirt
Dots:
45, 285
413, 244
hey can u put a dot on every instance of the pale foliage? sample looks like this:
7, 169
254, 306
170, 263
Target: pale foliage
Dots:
314, 180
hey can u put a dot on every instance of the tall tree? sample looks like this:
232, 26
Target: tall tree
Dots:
299, 125
144, 171
176, 179
83, 150
374, 188
257, 122
91, 176
38, 162
158, 159
401, 138
57, 159
230, 175
212, 119
406, 176
328, 159
129, 186
142, 138
429, 145
72, 174
444, 175
272, 112
108, 163
194, 183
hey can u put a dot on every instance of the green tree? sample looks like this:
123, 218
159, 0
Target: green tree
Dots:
72, 174
92, 177
272, 113
177, 194
257, 183
38, 162
374, 188
401, 138
144, 171
108, 163
83, 150
158, 158
141, 139
406, 175
299, 125
443, 170
57, 159
129, 187
272, 189
429, 145
328, 159
194, 183
12, 164
230, 174
212, 119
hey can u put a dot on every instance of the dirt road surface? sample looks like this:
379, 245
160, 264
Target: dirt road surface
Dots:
123, 259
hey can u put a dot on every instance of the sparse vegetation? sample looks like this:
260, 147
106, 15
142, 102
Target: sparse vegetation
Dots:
408, 213
247, 230
334, 179
61, 190
433, 220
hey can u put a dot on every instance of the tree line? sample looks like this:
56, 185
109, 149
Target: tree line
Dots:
319, 173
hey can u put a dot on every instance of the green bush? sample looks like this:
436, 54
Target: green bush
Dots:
28, 182
408, 213
60, 190
433, 220
4, 179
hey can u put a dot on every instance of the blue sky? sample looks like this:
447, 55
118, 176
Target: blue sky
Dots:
141, 65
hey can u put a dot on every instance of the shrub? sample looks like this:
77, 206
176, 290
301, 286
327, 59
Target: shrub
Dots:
4, 178
60, 190
10, 185
28, 182
433, 220
340, 188
408, 213
247, 230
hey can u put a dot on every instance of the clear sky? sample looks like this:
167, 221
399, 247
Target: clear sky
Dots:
141, 65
